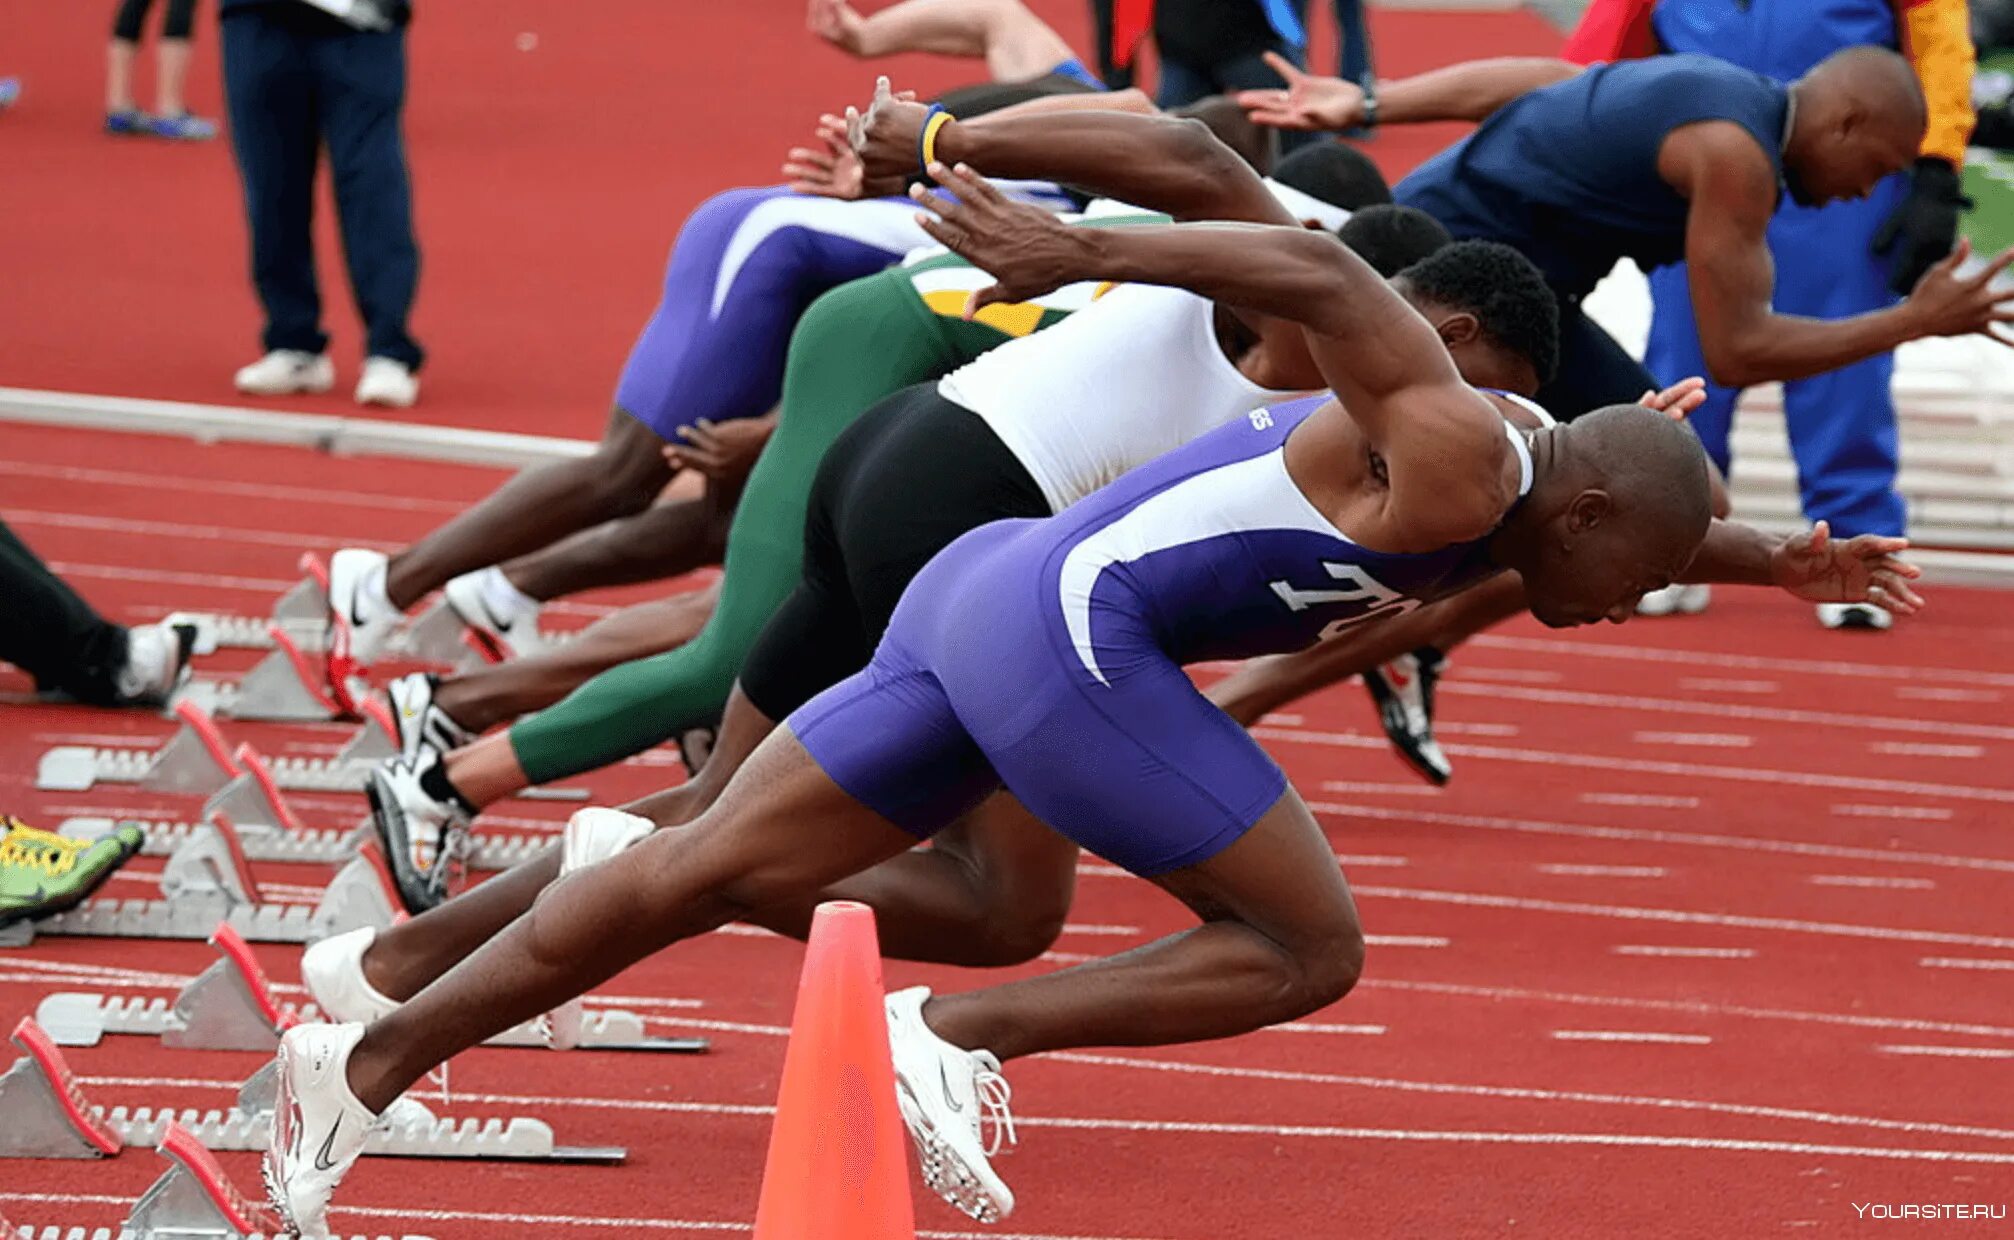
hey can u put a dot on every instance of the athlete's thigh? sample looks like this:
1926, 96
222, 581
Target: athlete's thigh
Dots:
1019, 857
1281, 878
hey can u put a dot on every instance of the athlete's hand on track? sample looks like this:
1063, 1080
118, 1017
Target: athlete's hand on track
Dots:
887, 137
1026, 250
723, 451
1678, 400
1865, 569
1308, 102
829, 169
1948, 304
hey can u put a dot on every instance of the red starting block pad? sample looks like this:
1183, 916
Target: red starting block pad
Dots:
231, 1007
208, 882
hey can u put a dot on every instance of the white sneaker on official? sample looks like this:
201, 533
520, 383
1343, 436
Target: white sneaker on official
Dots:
424, 837
333, 972
500, 615
419, 721
1854, 616
287, 372
389, 383
1675, 600
319, 1127
592, 835
157, 660
361, 615
943, 1091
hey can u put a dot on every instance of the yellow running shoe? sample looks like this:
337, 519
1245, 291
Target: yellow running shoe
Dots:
42, 873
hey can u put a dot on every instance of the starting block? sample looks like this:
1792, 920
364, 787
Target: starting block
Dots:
44, 1113
208, 882
195, 760
230, 1006
286, 686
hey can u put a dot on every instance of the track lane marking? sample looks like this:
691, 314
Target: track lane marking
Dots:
1568, 648
1966, 962
1951, 1052
1684, 953
1627, 1035
1872, 882
1643, 704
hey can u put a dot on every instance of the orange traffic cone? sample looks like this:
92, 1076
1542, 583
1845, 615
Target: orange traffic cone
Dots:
838, 1157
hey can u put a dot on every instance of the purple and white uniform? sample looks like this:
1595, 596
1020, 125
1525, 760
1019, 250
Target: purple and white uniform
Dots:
744, 268
1046, 656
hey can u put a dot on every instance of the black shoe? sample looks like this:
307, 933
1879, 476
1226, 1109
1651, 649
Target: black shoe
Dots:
1404, 692
423, 836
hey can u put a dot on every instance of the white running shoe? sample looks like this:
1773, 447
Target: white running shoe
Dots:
511, 632
157, 661
1854, 616
287, 372
1403, 691
419, 721
361, 616
388, 383
333, 972
319, 1127
1681, 599
423, 836
592, 835
943, 1091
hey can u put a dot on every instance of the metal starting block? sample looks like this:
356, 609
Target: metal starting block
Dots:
289, 685
195, 760
230, 1006
208, 882
309, 845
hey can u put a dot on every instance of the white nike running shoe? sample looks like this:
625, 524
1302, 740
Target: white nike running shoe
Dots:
419, 721
423, 835
1854, 616
361, 615
1403, 691
1682, 599
157, 661
592, 835
510, 630
319, 1127
287, 372
943, 1092
333, 972
387, 382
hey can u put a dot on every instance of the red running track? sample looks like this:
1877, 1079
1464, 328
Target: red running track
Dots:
1707, 938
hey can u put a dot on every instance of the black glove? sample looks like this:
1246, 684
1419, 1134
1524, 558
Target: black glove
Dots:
1925, 227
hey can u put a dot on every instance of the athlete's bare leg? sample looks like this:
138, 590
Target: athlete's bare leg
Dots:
623, 475
666, 540
742, 728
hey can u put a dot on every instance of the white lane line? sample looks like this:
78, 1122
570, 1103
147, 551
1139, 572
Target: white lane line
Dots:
1684, 953
1530, 1094
1404, 940
1353, 787
1638, 704
1951, 1052
1299, 1026
1697, 772
1917, 813
1647, 1102
160, 577
1691, 1007
1604, 871
1454, 727
1935, 693
1690, 917
1523, 675
176, 529
1709, 684
1912, 749
1698, 740
1742, 843
1967, 962
1627, 1035
1117, 932
1863, 880
1372, 861
1579, 650
1638, 800
211, 488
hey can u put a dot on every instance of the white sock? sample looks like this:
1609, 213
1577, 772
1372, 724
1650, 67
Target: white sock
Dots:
504, 599
371, 588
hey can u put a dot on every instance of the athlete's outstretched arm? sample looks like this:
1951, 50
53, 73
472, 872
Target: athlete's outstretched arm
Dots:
1463, 92
1159, 163
1012, 40
1812, 565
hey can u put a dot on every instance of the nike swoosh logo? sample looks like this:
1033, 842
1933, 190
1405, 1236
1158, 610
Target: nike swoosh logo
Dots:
950, 1097
322, 1160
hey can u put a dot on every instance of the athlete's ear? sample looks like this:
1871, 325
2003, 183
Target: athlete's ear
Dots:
1588, 510
1458, 328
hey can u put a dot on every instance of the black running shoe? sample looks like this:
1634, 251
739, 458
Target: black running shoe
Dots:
1404, 692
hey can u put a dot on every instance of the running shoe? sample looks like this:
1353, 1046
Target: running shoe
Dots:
42, 873
287, 372
509, 632
333, 971
126, 122
593, 835
424, 836
943, 1091
361, 616
387, 383
420, 722
1675, 600
319, 1127
181, 127
1854, 616
1404, 692
157, 662
10, 91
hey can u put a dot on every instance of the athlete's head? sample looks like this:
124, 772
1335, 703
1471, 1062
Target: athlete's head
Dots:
1339, 175
1221, 115
1859, 116
1494, 311
1620, 501
1392, 238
